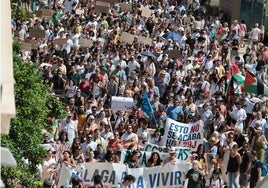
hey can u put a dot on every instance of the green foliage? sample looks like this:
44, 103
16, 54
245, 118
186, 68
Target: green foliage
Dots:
33, 105
16, 47
19, 13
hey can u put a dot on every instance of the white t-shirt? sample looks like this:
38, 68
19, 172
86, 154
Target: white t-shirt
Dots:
255, 33
71, 129
127, 136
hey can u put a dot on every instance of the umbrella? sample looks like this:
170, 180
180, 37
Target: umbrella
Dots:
172, 36
148, 54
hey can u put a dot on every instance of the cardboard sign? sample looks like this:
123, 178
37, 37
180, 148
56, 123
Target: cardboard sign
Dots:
102, 7
60, 41
112, 2
44, 13
35, 33
79, 11
125, 7
145, 41
174, 54
26, 46
86, 43
34, 43
145, 12
127, 38
122, 104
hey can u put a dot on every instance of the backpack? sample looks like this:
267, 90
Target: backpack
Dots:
264, 168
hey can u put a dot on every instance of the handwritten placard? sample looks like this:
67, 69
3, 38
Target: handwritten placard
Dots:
35, 33
79, 11
145, 41
83, 42
127, 38
34, 43
103, 7
26, 46
60, 41
112, 2
125, 7
44, 13
145, 12
174, 54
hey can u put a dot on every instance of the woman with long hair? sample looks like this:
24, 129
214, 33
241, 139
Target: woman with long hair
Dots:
154, 160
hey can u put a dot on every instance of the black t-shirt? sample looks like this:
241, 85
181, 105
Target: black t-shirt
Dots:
254, 175
194, 179
240, 141
244, 163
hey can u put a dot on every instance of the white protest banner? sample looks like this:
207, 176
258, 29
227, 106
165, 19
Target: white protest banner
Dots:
112, 174
190, 135
181, 153
122, 103
169, 176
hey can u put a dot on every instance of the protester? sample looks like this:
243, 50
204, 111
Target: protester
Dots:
255, 172
128, 180
195, 175
198, 73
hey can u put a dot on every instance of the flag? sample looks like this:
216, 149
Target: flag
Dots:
254, 85
146, 106
232, 70
230, 89
234, 85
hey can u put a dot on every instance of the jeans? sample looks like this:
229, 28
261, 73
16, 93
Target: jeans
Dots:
232, 180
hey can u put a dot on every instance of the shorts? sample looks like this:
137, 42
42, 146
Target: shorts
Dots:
243, 180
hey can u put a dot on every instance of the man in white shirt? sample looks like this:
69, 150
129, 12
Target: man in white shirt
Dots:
255, 33
258, 119
132, 65
88, 144
130, 139
70, 126
240, 115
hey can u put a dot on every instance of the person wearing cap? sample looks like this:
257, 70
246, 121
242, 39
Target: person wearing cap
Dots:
215, 180
255, 170
233, 166
70, 126
259, 143
210, 153
172, 159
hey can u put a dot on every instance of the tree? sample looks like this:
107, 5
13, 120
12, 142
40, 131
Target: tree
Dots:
33, 106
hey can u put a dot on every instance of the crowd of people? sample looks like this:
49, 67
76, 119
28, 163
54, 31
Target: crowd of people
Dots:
190, 87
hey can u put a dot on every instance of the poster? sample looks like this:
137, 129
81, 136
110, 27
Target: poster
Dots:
122, 104
189, 135
35, 33
127, 38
